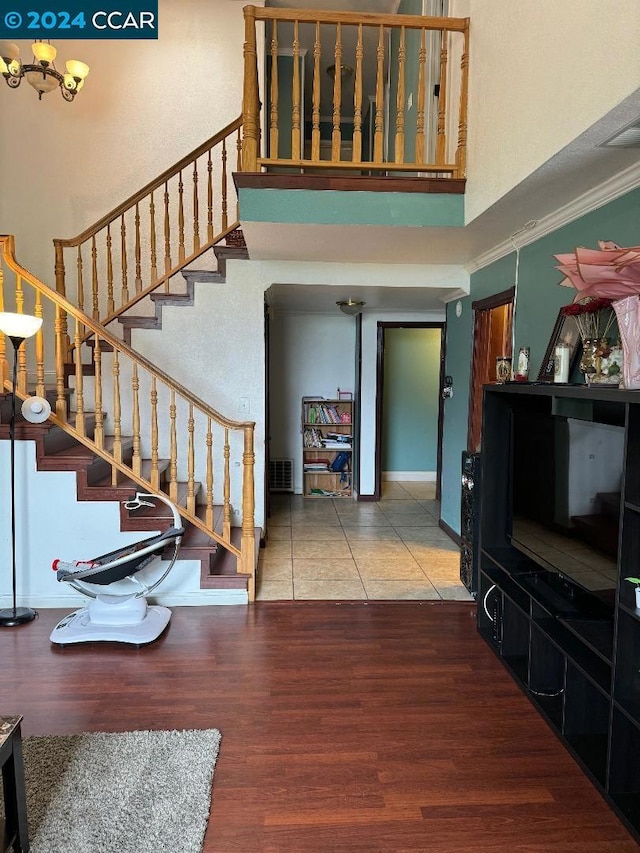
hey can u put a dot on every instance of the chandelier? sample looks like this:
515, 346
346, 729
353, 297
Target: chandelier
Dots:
41, 73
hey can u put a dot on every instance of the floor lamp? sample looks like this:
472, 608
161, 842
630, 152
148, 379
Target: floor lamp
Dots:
17, 327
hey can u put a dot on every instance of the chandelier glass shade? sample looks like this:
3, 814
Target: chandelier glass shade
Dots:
41, 74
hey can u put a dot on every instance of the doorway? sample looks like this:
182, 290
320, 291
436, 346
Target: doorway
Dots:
409, 406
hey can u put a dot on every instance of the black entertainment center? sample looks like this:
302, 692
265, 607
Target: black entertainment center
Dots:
559, 532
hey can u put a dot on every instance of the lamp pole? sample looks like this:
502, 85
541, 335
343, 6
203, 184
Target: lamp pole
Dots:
17, 327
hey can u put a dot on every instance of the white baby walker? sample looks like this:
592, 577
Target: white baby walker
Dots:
120, 614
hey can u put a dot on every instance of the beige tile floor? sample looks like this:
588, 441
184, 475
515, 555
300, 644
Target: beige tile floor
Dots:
321, 549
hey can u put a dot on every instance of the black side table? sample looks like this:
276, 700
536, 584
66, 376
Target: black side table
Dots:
15, 804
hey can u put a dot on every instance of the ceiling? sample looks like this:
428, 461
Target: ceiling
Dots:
322, 299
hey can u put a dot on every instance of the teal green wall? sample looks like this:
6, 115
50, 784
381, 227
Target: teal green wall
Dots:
538, 302
410, 408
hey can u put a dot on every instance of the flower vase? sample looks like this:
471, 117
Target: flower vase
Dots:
588, 358
628, 317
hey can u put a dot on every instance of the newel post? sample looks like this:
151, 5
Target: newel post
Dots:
248, 541
250, 99
461, 152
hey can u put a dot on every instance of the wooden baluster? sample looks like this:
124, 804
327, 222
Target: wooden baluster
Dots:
40, 390
191, 492
173, 450
248, 540
154, 248
461, 151
136, 462
167, 230
138, 280
181, 254
441, 132
226, 502
273, 96
117, 418
356, 154
238, 168
378, 133
336, 136
61, 287
420, 110
250, 96
22, 350
209, 478
4, 364
61, 353
315, 97
399, 140
95, 293
125, 272
196, 212
209, 198
80, 297
155, 472
296, 152
98, 433
111, 304
79, 378
225, 221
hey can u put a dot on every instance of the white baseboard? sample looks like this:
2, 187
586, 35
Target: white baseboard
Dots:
410, 476
201, 598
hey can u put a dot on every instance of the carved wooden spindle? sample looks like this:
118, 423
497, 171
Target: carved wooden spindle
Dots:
61, 288
315, 97
209, 198
167, 230
296, 97
226, 502
61, 353
79, 378
97, 395
181, 253
399, 140
420, 109
378, 132
461, 151
196, 212
136, 459
22, 350
4, 364
336, 136
40, 390
95, 285
225, 219
138, 251
111, 305
441, 131
238, 169
117, 418
173, 449
209, 478
247, 546
152, 239
123, 259
250, 96
273, 96
155, 471
191, 491
80, 296
356, 154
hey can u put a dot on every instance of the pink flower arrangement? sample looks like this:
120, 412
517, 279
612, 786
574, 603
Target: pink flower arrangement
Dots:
611, 271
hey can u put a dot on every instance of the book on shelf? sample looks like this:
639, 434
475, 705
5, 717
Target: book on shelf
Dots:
335, 445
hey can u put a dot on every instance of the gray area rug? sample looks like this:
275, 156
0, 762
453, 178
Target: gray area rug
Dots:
135, 792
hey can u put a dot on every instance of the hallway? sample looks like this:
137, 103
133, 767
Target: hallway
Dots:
345, 550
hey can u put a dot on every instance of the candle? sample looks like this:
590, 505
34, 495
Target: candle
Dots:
561, 363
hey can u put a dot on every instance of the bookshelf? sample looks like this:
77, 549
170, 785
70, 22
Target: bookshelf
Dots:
327, 448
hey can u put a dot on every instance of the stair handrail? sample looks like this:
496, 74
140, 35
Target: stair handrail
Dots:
164, 231
246, 552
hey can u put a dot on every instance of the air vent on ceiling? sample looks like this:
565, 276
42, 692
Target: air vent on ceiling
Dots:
627, 138
281, 475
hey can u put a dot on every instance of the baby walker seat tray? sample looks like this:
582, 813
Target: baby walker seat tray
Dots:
120, 613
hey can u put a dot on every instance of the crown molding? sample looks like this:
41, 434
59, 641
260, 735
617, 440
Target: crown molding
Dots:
610, 190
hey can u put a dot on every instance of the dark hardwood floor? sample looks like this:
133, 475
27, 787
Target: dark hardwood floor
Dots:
345, 727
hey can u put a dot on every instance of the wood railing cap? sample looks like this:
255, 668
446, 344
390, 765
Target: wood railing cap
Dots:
367, 18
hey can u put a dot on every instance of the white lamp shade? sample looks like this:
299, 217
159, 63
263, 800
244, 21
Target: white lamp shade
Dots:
44, 52
42, 83
77, 69
19, 325
9, 50
36, 410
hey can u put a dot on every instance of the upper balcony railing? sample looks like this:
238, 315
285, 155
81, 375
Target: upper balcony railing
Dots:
362, 92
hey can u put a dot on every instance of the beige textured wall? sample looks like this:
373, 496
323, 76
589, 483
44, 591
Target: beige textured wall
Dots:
144, 106
541, 73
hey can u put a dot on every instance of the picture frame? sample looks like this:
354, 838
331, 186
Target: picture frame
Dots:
566, 331
344, 395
